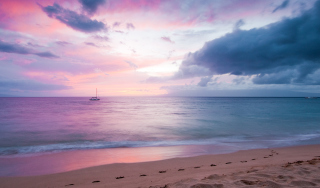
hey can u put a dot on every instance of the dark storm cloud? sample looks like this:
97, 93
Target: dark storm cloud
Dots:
282, 6
91, 6
18, 49
286, 52
72, 19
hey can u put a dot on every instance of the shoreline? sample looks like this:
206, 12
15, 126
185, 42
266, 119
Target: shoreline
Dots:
188, 171
59, 162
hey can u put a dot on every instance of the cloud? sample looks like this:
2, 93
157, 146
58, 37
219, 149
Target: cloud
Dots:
30, 85
194, 33
18, 49
170, 54
60, 78
105, 38
14, 48
238, 24
282, 6
91, 44
72, 19
116, 24
118, 31
239, 80
285, 52
154, 79
91, 6
63, 43
34, 45
130, 26
46, 54
204, 81
189, 71
131, 64
187, 90
167, 39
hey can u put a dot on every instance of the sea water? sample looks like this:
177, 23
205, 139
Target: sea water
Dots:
38, 126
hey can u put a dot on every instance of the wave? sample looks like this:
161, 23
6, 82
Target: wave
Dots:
242, 142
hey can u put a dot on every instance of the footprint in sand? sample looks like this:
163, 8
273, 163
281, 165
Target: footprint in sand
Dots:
69, 184
120, 177
95, 181
207, 185
303, 183
253, 170
162, 171
228, 162
243, 161
247, 182
213, 165
197, 167
143, 175
181, 169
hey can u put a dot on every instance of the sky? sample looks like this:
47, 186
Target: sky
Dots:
159, 47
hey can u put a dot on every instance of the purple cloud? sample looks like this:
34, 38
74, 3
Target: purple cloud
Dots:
63, 43
91, 6
130, 26
167, 39
131, 64
18, 49
91, 44
72, 19
105, 38
118, 31
116, 24
46, 54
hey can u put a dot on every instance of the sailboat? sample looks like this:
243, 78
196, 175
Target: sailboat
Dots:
96, 97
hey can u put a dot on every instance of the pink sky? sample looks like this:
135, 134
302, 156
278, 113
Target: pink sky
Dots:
69, 48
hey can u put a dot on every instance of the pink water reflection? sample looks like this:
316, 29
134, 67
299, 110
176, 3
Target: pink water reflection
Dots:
73, 160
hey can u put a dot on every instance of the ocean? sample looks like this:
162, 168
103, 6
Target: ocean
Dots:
40, 133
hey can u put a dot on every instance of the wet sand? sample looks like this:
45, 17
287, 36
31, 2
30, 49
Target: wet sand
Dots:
297, 166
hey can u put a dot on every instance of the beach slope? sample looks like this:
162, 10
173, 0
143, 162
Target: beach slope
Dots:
297, 166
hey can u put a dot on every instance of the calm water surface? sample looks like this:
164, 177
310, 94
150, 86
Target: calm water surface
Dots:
36, 126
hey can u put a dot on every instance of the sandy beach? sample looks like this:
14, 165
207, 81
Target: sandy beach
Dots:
297, 166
